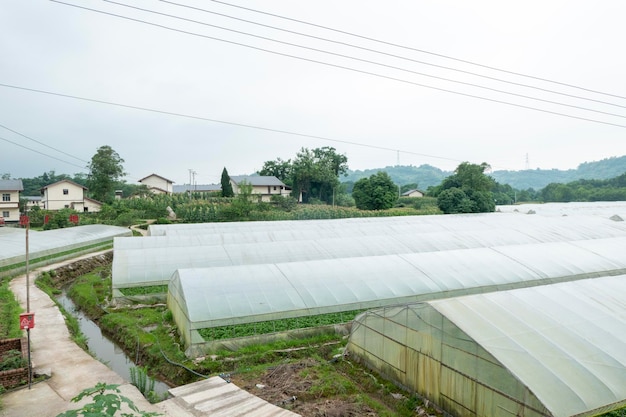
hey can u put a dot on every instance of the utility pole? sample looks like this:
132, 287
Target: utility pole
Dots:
189, 190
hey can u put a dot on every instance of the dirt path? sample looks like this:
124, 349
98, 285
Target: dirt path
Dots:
52, 348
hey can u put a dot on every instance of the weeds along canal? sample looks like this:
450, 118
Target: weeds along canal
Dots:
103, 348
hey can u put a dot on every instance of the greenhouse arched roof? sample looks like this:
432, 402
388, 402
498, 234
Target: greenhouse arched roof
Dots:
44, 243
209, 297
566, 342
153, 260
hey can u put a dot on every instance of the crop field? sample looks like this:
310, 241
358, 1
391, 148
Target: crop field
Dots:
264, 327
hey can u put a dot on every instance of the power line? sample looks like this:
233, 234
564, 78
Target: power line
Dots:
343, 67
43, 144
372, 50
369, 61
41, 153
267, 129
416, 49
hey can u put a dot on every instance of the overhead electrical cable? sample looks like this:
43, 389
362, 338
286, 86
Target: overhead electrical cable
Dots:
369, 61
384, 53
43, 144
417, 50
41, 153
343, 67
267, 129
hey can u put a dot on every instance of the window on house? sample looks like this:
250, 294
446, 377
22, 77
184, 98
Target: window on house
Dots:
67, 206
5, 214
6, 197
66, 191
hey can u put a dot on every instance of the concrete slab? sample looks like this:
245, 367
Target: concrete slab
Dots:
217, 398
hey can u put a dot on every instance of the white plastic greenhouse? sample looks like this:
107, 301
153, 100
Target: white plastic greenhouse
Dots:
152, 260
219, 296
53, 243
556, 350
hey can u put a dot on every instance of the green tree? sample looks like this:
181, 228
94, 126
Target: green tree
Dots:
243, 204
104, 170
378, 192
227, 187
279, 169
315, 173
469, 190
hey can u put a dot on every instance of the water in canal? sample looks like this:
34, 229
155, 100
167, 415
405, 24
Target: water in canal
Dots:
104, 349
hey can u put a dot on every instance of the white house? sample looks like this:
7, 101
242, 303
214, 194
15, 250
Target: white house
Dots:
10, 202
68, 194
263, 187
158, 184
413, 193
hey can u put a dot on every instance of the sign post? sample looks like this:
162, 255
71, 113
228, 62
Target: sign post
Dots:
27, 322
29, 318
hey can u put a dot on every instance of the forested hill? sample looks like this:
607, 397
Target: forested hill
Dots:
426, 175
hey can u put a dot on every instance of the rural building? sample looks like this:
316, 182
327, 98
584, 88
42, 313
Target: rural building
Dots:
68, 194
158, 184
33, 201
10, 202
263, 187
547, 351
197, 188
413, 193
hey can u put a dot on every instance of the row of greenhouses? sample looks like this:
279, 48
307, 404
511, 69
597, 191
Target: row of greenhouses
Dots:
152, 260
51, 244
555, 350
208, 297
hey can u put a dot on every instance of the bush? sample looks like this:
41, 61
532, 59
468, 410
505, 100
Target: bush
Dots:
12, 359
284, 203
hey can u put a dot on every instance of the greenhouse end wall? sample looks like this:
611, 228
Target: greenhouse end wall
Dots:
418, 348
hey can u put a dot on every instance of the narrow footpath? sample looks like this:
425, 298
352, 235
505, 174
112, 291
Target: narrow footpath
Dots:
72, 369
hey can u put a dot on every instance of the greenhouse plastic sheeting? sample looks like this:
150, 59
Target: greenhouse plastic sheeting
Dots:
604, 209
209, 297
382, 225
555, 350
569, 338
50, 242
153, 260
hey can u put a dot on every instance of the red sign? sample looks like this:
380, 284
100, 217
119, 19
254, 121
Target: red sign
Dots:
24, 220
1, 220
46, 219
27, 321
74, 218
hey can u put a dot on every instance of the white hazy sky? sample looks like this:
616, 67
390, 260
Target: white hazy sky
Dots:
391, 103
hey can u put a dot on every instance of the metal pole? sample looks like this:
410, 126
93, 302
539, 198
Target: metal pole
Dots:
30, 366
27, 277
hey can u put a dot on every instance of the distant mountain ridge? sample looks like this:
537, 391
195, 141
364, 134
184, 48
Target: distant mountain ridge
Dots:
426, 175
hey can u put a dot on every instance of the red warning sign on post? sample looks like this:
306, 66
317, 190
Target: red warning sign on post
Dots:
27, 321
24, 220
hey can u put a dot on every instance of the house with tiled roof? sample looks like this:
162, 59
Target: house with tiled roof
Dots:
68, 194
263, 186
158, 184
10, 202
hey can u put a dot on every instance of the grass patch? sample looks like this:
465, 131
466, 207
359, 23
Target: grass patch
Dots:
265, 327
9, 312
45, 283
149, 290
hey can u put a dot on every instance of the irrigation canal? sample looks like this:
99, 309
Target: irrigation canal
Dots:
103, 348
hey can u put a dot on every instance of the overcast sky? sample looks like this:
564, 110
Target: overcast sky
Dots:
386, 96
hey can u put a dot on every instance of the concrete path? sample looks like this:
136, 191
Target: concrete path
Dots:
72, 368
